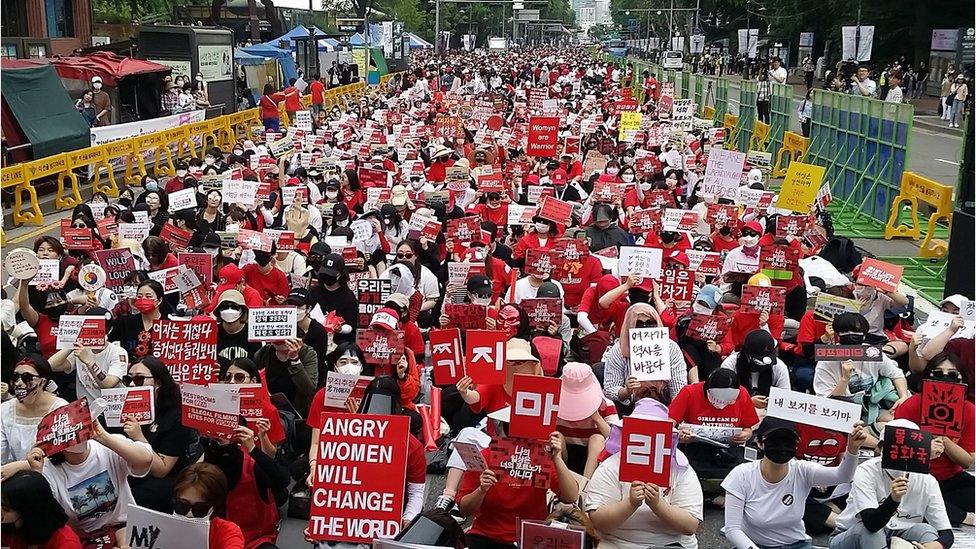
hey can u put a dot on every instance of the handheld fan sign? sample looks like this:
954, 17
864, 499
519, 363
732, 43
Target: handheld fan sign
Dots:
92, 278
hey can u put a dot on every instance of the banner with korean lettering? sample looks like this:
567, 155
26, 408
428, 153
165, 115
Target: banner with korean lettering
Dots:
64, 427
827, 413
645, 451
640, 261
535, 405
188, 348
539, 535
372, 293
880, 274
650, 354
711, 327
677, 284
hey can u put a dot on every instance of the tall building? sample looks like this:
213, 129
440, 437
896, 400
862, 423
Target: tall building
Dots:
586, 17
43, 28
603, 12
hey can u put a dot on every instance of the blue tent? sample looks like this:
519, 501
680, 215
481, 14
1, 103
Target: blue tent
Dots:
284, 57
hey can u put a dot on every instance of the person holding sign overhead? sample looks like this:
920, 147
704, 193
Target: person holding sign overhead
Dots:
765, 499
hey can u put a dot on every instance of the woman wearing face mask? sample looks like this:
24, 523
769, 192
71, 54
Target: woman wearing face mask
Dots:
157, 252
268, 428
333, 294
32, 518
21, 414
425, 283
200, 493
520, 359
175, 183
743, 260
42, 311
231, 315
541, 236
758, 367
619, 384
134, 332
756, 511
953, 454
158, 205
166, 435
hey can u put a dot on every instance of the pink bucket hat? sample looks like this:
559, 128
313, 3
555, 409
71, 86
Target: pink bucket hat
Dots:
581, 394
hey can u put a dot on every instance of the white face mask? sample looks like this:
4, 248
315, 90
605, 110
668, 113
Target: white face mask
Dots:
97, 86
627, 177
612, 171
646, 186
721, 398
238, 152
700, 309
230, 315
864, 292
749, 241
209, 161
233, 227
331, 195
542, 228
350, 369
480, 300
180, 173
417, 184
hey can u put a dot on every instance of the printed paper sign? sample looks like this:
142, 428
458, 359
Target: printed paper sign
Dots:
722, 215
543, 137
179, 239
211, 411
791, 225
471, 455
942, 408
148, 529
520, 462
879, 274
520, 215
828, 306
188, 348
139, 404
630, 122
253, 240
840, 353
252, 398
543, 311
423, 226
446, 356
553, 209
640, 261
86, 331
64, 427
272, 323
539, 535
723, 173
645, 451
372, 293
535, 404
779, 261
905, 449
338, 387
756, 299
643, 221
201, 263
681, 112
359, 459
677, 284
711, 327
484, 356
723, 435
49, 270
800, 187
650, 356
827, 413
184, 199
679, 220
381, 347
705, 263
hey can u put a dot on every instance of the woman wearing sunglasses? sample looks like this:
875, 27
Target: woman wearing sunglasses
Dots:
270, 433
201, 494
166, 435
20, 415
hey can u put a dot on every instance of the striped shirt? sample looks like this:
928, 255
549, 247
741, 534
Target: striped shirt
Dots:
617, 370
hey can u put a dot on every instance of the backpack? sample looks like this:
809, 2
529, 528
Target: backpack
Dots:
841, 252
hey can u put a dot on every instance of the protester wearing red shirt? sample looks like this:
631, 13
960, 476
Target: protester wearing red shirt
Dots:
493, 210
230, 278
581, 281
269, 281
702, 404
293, 99
598, 317
743, 323
201, 490
542, 238
723, 241
32, 517
317, 90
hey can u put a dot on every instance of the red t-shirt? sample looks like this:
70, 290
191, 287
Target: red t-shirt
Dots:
416, 461
742, 324
293, 99
579, 432
317, 89
62, 538
591, 272
602, 318
720, 245
943, 468
493, 398
267, 285
47, 339
412, 338
811, 330
691, 405
225, 534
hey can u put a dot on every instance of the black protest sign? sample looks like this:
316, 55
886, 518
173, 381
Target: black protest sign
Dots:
906, 450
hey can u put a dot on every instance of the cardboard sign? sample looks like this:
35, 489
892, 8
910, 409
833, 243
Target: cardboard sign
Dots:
539, 535
86, 331
148, 529
645, 451
21, 263
840, 353
650, 356
77, 239
543, 137
188, 348
484, 356
64, 427
520, 462
779, 261
723, 173
471, 455
879, 274
464, 229
272, 323
359, 478
942, 408
139, 404
371, 293
539, 262
466, 316
800, 187
201, 263
827, 413
211, 411
553, 209
640, 261
543, 311
791, 225
446, 356
381, 347
253, 240
908, 450
338, 387
756, 299
828, 306
711, 327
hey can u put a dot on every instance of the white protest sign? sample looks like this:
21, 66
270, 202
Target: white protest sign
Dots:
650, 356
826, 413
938, 321
338, 387
968, 310
21, 263
134, 231
718, 434
681, 114
362, 230
184, 199
470, 454
303, 120
186, 280
723, 173
240, 192
92, 278
69, 326
272, 323
114, 398
640, 261
47, 271
141, 216
148, 529
98, 210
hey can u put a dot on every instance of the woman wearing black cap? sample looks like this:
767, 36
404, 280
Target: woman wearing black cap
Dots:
757, 366
333, 293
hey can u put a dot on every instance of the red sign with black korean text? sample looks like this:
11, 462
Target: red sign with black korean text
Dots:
484, 356
905, 449
466, 316
711, 327
556, 210
942, 408
446, 356
677, 284
543, 137
188, 348
535, 405
880, 274
64, 427
756, 299
520, 462
645, 451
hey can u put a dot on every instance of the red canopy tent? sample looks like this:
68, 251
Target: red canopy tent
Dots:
109, 66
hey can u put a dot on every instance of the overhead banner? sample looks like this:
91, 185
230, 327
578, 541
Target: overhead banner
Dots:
751, 45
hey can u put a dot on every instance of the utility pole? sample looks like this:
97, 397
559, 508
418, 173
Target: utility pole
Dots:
857, 35
437, 27
671, 27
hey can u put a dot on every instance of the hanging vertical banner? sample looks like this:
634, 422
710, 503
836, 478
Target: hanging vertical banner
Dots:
864, 38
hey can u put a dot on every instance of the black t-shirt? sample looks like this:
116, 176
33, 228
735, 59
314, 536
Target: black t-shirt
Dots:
168, 436
317, 339
233, 346
129, 332
342, 300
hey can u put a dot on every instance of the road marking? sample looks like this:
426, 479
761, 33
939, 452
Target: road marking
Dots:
947, 161
31, 234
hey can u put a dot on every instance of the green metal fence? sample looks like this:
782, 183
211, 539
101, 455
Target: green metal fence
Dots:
864, 145
686, 91
780, 115
721, 90
698, 88
747, 115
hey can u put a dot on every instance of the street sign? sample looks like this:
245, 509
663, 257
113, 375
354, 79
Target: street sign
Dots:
528, 15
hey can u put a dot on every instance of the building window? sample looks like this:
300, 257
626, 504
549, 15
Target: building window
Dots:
14, 20
60, 18
8, 51
36, 51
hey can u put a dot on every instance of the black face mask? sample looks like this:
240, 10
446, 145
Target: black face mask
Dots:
668, 237
262, 260
757, 364
779, 450
851, 339
329, 280
725, 231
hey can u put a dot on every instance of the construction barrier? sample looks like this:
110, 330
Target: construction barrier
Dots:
759, 139
863, 143
794, 147
915, 189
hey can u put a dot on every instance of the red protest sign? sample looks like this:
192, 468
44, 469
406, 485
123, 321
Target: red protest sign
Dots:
553, 209
178, 238
535, 404
605, 191
446, 356
791, 225
491, 183
359, 477
188, 348
484, 356
708, 327
645, 451
677, 284
140, 405
661, 198
213, 411
448, 126
539, 262
542, 312
466, 316
942, 408
538, 535
779, 261
719, 215
369, 178
464, 229
756, 299
253, 240
64, 427
570, 256
200, 263
644, 221
92, 333
381, 347
77, 239
624, 105
879, 274
107, 227
520, 462
543, 137
117, 263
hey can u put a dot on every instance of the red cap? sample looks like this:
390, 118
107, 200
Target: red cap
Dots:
755, 226
558, 176
229, 274
385, 318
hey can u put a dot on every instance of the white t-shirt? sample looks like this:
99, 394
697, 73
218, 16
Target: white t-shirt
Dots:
865, 375
736, 261
112, 361
525, 290
104, 298
18, 434
781, 374
643, 528
95, 493
922, 502
429, 287
778, 75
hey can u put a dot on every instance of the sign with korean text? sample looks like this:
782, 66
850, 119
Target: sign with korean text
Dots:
539, 535
840, 353
629, 125
640, 261
543, 311
372, 293
679, 220
677, 284
520, 462
201, 263
539, 262
800, 187
905, 449
139, 405
644, 221
553, 209
828, 306
711, 327
880, 274
823, 412
77, 239
177, 238
535, 404
447, 356
722, 215
779, 261
464, 229
681, 113
702, 262
272, 323
756, 299
791, 225
64, 427
645, 451
381, 347
85, 331
466, 316
484, 356
942, 408
210, 410
650, 354
188, 348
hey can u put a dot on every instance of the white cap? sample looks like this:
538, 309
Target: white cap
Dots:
955, 299
96, 79
904, 423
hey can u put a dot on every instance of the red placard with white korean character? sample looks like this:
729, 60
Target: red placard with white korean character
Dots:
792, 225
677, 284
543, 311
140, 405
645, 451
756, 299
644, 221
484, 356
719, 215
520, 462
661, 198
446, 356
464, 229
539, 262
381, 347
535, 405
556, 210
606, 191
77, 239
